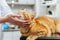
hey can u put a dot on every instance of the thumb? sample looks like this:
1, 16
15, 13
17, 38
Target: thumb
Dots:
17, 16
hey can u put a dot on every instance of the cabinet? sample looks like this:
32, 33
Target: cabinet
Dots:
21, 4
16, 35
11, 35
7, 36
32, 2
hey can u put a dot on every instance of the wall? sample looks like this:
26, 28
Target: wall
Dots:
40, 10
58, 9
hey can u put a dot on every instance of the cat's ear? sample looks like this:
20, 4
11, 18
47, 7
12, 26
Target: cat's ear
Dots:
33, 15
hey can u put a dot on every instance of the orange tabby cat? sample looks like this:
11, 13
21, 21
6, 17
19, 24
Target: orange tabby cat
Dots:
39, 27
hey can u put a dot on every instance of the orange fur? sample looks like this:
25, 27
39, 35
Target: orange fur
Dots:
39, 27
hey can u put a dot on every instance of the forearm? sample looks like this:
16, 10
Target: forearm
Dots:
2, 19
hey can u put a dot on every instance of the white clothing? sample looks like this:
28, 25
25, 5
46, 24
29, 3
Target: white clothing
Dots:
4, 10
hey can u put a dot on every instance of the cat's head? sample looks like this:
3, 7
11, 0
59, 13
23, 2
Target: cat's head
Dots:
27, 15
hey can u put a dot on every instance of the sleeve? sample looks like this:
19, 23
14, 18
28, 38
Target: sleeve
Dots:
5, 9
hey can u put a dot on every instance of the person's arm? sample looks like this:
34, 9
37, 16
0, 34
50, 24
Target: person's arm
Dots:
2, 19
11, 18
14, 19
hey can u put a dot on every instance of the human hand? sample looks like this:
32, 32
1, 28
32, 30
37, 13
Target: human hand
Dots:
15, 19
24, 23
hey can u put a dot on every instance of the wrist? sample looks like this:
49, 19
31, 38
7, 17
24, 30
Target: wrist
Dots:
5, 19
2, 19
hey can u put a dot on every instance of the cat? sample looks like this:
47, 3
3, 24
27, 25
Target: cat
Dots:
42, 26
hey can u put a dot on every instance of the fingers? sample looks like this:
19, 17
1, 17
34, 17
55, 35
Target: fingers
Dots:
25, 21
21, 21
15, 15
15, 19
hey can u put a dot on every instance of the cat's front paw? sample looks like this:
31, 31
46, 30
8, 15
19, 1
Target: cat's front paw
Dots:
28, 39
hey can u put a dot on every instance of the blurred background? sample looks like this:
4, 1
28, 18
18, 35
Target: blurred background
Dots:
41, 7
